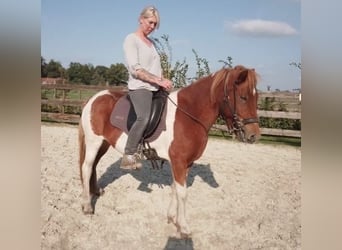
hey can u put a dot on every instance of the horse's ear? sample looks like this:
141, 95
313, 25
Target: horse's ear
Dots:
241, 77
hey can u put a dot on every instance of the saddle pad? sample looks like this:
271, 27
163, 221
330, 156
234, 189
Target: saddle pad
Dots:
119, 116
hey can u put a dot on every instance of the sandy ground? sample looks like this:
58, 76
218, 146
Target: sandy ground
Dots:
240, 196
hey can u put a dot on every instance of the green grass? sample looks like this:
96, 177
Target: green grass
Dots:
290, 141
265, 139
70, 95
86, 94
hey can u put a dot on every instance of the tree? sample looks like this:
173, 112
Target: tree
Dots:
228, 63
87, 73
43, 67
298, 65
117, 74
202, 66
268, 103
177, 72
54, 69
165, 52
79, 74
99, 75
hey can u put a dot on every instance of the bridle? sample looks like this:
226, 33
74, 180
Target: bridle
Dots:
237, 123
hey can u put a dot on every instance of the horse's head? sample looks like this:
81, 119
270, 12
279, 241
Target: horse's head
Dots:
238, 102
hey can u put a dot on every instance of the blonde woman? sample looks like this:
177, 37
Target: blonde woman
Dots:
145, 77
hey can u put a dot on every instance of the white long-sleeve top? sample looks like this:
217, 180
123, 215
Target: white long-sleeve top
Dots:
139, 55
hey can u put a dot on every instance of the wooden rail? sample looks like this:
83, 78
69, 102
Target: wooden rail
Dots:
60, 101
279, 114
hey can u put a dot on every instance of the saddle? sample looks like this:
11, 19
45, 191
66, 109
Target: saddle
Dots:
157, 108
123, 116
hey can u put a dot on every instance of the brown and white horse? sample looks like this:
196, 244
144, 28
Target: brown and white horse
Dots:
191, 111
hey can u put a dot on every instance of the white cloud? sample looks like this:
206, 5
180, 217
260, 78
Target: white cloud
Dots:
258, 27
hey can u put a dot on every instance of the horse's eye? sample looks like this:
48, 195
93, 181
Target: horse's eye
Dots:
243, 98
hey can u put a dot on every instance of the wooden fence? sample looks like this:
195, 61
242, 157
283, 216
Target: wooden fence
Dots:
61, 97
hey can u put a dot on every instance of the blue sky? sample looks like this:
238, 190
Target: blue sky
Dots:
262, 34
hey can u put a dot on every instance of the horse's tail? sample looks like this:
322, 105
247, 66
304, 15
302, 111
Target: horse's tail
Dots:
82, 147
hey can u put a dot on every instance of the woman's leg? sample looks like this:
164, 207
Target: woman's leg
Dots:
142, 101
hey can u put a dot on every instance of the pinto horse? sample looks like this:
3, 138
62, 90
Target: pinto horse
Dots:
191, 112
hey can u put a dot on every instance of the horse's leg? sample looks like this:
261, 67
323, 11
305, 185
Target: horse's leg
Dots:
172, 211
89, 177
183, 227
91, 150
94, 187
178, 200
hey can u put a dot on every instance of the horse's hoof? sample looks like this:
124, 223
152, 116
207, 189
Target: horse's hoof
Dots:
87, 209
183, 232
97, 191
185, 235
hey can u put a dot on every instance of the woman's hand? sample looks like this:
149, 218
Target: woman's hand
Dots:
165, 83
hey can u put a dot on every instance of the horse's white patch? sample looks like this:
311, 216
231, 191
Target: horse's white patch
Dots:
86, 112
254, 91
172, 210
181, 191
121, 143
166, 137
181, 218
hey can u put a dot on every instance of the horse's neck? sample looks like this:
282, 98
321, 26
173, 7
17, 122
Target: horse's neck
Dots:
195, 99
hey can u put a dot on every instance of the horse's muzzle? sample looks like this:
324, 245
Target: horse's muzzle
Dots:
251, 130
252, 138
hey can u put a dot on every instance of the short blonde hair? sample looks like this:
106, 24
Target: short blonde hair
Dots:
151, 11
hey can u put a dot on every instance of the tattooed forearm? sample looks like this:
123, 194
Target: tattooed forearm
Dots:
151, 78
146, 76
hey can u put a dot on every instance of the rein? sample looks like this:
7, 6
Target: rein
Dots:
188, 114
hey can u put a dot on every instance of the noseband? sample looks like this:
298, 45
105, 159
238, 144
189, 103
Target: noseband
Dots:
237, 123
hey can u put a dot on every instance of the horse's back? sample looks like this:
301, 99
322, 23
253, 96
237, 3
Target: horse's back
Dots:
96, 112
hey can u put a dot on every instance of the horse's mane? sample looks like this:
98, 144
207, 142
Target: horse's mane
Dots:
218, 79
224, 75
